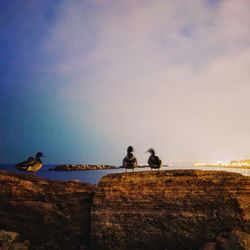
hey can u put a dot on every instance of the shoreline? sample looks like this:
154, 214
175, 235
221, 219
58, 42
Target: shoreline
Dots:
223, 166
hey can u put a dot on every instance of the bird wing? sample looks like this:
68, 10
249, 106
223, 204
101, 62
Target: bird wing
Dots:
34, 167
133, 161
129, 161
154, 160
32, 163
124, 162
24, 164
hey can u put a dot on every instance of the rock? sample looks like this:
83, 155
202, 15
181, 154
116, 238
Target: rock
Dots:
50, 214
242, 238
81, 167
236, 240
233, 241
19, 246
209, 246
7, 238
10, 240
179, 209
144, 210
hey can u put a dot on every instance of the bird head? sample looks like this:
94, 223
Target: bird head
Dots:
151, 151
39, 154
130, 149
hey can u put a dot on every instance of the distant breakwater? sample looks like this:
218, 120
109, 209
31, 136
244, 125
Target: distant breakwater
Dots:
79, 167
82, 167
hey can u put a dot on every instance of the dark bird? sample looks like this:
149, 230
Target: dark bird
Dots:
154, 161
31, 165
129, 162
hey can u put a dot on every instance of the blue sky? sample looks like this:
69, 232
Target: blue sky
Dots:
81, 80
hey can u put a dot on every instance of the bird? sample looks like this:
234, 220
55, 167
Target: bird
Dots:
154, 161
31, 164
129, 161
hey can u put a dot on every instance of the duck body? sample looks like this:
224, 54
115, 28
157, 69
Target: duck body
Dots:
32, 164
154, 161
129, 161
23, 165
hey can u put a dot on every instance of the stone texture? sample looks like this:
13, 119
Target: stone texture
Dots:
10, 241
229, 241
181, 209
50, 214
7, 239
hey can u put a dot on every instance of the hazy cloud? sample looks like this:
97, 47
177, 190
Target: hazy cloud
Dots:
173, 75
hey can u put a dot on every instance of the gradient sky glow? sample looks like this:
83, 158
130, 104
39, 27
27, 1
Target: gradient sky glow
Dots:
81, 80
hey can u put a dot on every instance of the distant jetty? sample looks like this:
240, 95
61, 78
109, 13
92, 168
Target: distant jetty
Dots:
83, 167
80, 167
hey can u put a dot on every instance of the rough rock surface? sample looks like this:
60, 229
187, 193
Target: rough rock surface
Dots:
181, 209
11, 241
73, 167
229, 241
50, 214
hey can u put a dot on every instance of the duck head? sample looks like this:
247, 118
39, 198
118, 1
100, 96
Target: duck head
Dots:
130, 149
39, 155
151, 151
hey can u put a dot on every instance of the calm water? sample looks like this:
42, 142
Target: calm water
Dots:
93, 176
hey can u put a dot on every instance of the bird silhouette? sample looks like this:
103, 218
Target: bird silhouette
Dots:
154, 161
31, 164
129, 161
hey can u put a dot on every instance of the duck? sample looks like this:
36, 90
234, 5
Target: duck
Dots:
154, 161
31, 164
129, 161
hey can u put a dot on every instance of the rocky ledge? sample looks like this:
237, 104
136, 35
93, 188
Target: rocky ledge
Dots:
73, 167
186, 210
50, 214
172, 210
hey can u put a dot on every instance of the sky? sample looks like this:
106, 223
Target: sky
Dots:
81, 80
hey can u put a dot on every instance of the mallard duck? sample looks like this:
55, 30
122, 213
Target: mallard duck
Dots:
154, 161
31, 165
129, 162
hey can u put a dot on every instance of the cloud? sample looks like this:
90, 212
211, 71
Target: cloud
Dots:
163, 74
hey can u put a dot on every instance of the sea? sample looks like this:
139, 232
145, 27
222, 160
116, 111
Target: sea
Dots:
94, 176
